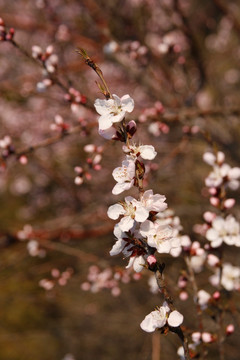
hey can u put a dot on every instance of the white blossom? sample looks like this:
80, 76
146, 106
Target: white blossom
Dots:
153, 202
124, 176
121, 244
158, 318
153, 285
212, 159
147, 152
222, 172
175, 318
137, 262
108, 133
134, 210
197, 261
224, 230
177, 241
113, 110
155, 320
158, 236
203, 297
230, 278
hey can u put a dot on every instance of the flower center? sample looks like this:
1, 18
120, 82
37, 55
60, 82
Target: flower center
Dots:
116, 110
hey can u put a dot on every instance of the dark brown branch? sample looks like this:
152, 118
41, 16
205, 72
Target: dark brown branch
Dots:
48, 141
193, 42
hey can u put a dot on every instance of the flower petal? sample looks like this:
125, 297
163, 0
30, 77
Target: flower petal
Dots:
117, 247
115, 211
126, 223
147, 152
120, 187
175, 319
127, 103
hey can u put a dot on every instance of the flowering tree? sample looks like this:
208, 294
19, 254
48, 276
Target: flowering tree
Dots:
57, 157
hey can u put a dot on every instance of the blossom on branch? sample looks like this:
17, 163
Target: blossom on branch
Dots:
222, 173
160, 317
158, 236
147, 152
124, 176
224, 230
125, 244
230, 279
134, 210
113, 110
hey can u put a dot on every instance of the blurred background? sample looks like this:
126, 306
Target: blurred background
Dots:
179, 61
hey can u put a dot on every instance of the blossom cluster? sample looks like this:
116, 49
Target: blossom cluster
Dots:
92, 163
49, 59
107, 279
221, 174
221, 228
144, 227
153, 116
57, 278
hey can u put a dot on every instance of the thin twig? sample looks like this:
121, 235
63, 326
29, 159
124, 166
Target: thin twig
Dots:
102, 87
56, 246
163, 289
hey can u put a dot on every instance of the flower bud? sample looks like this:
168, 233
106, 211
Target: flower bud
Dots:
229, 203
209, 216
212, 260
23, 160
209, 158
207, 337
183, 295
216, 295
212, 191
151, 260
131, 128
214, 201
220, 157
196, 336
49, 50
230, 329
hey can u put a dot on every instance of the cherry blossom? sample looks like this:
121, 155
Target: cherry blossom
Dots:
134, 210
153, 286
224, 230
153, 202
230, 279
203, 297
222, 172
34, 249
124, 176
108, 134
158, 236
175, 318
121, 244
158, 318
178, 241
147, 152
212, 159
137, 262
124, 245
113, 110
197, 261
